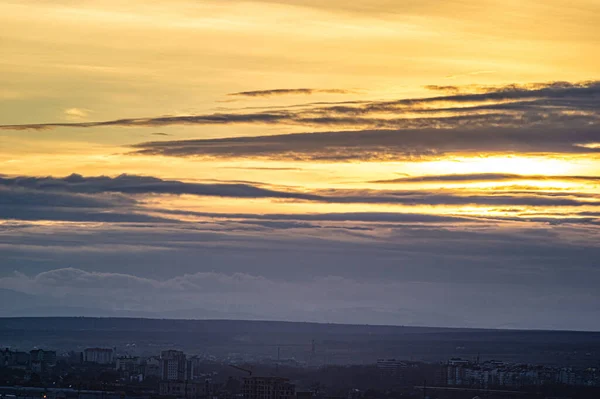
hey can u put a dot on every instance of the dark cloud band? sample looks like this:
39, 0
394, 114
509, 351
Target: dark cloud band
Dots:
482, 177
384, 145
139, 185
564, 104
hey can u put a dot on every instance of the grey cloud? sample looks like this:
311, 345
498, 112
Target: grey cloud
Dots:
120, 200
377, 217
548, 104
444, 88
18, 194
405, 144
558, 90
553, 220
595, 214
266, 118
324, 298
459, 246
449, 199
132, 185
479, 177
357, 117
21, 203
261, 168
42, 213
87, 280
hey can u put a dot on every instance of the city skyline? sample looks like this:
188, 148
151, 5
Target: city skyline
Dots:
417, 163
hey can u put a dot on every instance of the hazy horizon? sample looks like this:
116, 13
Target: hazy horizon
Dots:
324, 323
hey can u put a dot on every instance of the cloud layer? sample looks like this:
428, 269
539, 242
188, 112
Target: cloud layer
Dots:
134, 185
106, 251
561, 102
384, 145
487, 177
323, 299
558, 118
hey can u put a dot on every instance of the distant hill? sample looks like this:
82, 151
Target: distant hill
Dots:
334, 343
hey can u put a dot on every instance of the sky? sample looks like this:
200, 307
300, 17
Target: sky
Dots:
431, 163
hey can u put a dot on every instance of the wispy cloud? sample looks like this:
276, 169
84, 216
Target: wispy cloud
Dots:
482, 177
284, 92
273, 168
76, 114
139, 185
552, 104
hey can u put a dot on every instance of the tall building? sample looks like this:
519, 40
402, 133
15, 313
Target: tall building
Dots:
6, 358
174, 366
40, 360
40, 355
153, 367
99, 356
268, 388
193, 368
12, 359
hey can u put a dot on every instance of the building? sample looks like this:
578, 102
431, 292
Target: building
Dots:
20, 360
152, 367
40, 355
268, 388
5, 357
496, 374
12, 359
130, 368
99, 356
390, 366
174, 366
128, 364
40, 360
185, 389
455, 361
194, 367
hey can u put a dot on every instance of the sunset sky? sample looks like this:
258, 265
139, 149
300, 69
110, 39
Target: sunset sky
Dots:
414, 162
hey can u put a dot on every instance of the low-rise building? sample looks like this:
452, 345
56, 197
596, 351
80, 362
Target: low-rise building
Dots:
99, 355
14, 359
390, 366
185, 389
268, 388
130, 368
128, 363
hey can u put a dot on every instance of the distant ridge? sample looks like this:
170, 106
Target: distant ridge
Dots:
334, 343
106, 317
